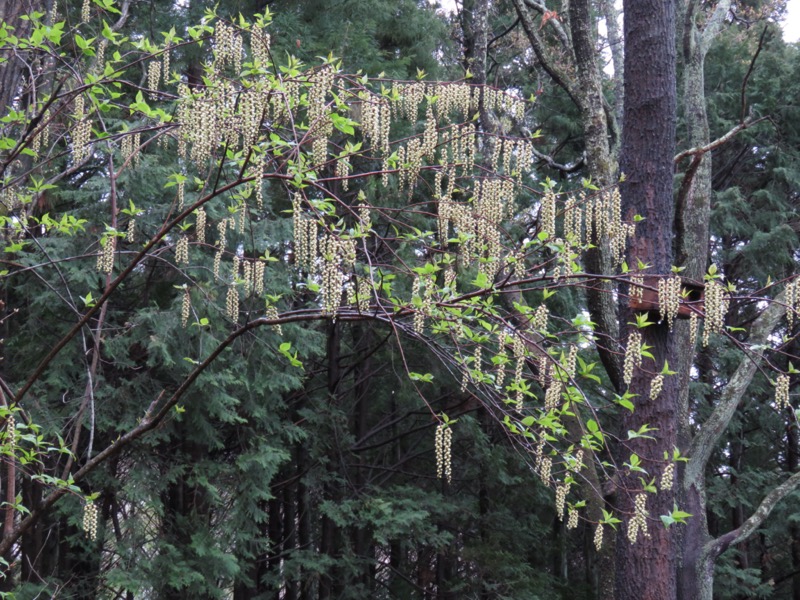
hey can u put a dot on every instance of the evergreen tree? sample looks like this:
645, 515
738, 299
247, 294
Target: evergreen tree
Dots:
297, 333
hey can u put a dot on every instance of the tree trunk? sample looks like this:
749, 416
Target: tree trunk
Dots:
646, 569
12, 71
331, 535
792, 463
475, 25
275, 535
693, 212
598, 126
303, 514
362, 536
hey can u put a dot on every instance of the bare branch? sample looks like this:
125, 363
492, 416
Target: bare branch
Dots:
562, 79
740, 534
550, 162
555, 24
720, 141
505, 33
750, 71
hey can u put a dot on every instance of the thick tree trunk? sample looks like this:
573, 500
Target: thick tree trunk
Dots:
646, 569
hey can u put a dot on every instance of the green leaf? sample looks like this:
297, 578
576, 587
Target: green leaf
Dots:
425, 378
343, 124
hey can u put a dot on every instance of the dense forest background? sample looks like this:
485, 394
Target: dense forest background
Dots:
272, 480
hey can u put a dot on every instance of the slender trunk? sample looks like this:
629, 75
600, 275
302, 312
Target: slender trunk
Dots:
32, 551
361, 536
330, 537
737, 511
275, 534
426, 576
792, 463
303, 514
611, 16
290, 536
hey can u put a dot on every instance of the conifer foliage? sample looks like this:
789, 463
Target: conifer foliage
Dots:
205, 275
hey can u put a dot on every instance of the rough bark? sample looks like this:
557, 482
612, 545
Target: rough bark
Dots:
475, 25
647, 569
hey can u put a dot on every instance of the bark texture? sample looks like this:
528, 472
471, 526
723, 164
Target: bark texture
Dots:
647, 569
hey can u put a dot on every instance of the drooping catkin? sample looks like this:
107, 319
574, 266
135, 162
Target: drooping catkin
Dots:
669, 299
200, 226
443, 446
598, 537
11, 431
232, 303
667, 477
105, 259
90, 520
271, 313
638, 523
182, 251
782, 392
633, 356
186, 305
716, 306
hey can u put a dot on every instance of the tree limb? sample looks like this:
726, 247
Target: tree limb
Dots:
615, 44
750, 71
560, 32
714, 25
562, 79
550, 162
741, 533
505, 33
720, 141
706, 439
